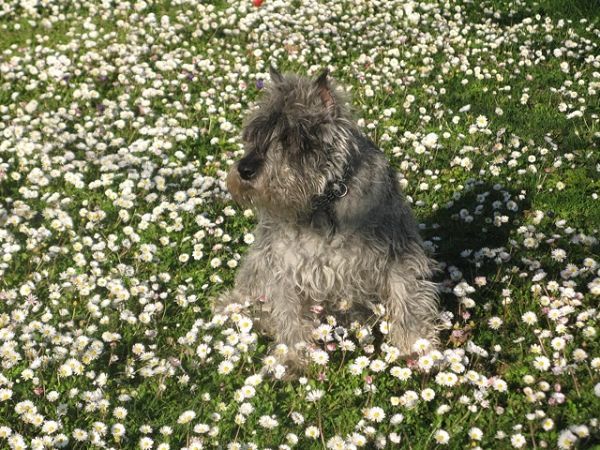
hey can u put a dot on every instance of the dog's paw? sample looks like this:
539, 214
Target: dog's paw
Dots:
284, 364
227, 303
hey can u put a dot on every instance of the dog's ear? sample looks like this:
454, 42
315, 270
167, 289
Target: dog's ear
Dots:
276, 76
324, 89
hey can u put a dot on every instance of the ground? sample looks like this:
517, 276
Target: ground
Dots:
119, 121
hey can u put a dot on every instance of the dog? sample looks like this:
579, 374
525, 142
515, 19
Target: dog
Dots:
334, 232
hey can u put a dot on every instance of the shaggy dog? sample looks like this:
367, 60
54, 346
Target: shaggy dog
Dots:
334, 233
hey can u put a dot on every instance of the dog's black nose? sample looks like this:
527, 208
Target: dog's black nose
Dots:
249, 165
247, 171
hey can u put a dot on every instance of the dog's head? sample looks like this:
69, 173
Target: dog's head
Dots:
294, 143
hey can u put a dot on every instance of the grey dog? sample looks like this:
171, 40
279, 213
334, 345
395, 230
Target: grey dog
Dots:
334, 231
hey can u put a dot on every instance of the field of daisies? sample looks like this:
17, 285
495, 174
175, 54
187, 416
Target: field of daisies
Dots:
118, 123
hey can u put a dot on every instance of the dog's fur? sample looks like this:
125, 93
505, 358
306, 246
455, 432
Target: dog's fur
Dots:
314, 245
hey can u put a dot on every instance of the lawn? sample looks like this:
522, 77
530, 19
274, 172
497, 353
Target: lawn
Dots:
118, 123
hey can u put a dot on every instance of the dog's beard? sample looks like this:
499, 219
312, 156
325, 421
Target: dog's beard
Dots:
277, 199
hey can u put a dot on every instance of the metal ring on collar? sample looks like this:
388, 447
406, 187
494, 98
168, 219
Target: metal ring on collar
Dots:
340, 190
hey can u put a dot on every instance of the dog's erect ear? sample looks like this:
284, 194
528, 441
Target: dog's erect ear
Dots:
324, 89
276, 76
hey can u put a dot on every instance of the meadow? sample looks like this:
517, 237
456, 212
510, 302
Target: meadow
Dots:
118, 123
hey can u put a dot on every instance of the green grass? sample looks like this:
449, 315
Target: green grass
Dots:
170, 299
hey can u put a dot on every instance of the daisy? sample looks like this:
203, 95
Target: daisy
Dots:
312, 432
529, 318
518, 440
441, 437
475, 433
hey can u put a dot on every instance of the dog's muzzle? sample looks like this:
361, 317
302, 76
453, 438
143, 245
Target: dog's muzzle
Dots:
249, 166
238, 185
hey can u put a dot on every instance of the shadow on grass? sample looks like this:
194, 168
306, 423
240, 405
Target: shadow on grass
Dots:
460, 244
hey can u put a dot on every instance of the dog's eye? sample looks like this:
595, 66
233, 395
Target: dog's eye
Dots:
297, 141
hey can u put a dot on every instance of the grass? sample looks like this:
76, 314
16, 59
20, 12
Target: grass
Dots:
137, 324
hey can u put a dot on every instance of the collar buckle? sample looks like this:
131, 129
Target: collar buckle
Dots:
340, 189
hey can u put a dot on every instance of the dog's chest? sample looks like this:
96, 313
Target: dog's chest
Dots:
292, 249
311, 262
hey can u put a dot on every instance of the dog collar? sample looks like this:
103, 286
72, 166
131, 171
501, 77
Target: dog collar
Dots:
334, 190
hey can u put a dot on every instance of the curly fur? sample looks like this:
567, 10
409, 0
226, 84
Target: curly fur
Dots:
365, 251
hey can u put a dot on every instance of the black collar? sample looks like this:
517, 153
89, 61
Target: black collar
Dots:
334, 190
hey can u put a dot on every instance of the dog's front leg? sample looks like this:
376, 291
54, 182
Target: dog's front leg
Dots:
247, 289
289, 325
230, 297
411, 306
